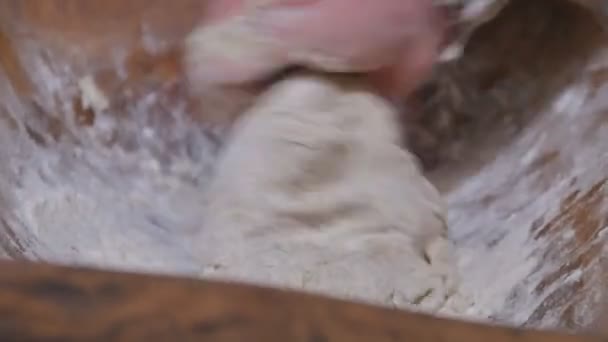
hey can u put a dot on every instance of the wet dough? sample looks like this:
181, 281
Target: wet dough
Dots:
314, 192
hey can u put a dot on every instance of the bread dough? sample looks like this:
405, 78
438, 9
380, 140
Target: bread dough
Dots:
313, 192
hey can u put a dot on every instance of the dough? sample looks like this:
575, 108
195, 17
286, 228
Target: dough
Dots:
313, 192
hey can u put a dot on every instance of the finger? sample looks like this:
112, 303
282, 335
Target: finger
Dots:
414, 65
230, 52
218, 10
342, 35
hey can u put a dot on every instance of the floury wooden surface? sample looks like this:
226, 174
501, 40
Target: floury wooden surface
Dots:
519, 190
47, 303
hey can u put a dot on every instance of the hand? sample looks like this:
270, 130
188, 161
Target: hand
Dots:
395, 42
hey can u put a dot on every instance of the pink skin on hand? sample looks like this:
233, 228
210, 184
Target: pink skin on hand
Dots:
217, 10
394, 41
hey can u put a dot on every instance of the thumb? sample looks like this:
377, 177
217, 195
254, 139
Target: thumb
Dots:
231, 52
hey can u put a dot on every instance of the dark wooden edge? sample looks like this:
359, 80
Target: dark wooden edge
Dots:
40, 302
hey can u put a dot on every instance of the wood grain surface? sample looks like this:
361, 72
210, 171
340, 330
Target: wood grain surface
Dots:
50, 303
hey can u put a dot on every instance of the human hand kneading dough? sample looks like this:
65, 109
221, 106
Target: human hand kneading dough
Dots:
395, 42
313, 190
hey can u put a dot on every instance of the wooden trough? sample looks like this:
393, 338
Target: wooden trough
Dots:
531, 80
50, 303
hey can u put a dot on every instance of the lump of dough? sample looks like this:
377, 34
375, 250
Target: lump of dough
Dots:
91, 96
313, 192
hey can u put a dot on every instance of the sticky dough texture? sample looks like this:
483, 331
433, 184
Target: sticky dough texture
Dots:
314, 192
